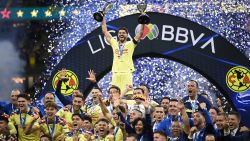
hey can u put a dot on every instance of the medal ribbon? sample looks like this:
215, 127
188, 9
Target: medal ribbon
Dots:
22, 120
121, 47
51, 131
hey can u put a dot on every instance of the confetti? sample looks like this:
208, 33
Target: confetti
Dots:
230, 19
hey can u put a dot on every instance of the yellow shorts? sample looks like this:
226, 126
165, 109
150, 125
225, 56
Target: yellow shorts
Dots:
122, 79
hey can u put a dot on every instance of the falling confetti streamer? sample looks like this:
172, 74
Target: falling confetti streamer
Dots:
228, 18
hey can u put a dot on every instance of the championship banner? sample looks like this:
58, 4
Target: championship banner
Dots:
170, 37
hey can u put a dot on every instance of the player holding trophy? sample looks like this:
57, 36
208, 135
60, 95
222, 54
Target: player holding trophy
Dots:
123, 67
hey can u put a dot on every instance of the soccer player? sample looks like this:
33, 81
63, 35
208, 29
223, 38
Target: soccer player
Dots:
77, 133
4, 130
102, 130
76, 107
52, 125
94, 110
49, 97
87, 124
25, 120
113, 118
123, 50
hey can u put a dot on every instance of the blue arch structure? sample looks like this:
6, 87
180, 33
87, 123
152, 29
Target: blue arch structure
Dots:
169, 37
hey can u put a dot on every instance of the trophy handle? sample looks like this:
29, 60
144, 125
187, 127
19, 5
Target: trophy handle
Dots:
108, 6
142, 7
98, 16
143, 18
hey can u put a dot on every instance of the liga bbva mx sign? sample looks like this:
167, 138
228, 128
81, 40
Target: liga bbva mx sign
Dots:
169, 37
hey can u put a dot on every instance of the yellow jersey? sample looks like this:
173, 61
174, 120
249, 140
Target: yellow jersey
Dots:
118, 135
122, 56
107, 138
21, 120
66, 113
69, 136
53, 129
95, 112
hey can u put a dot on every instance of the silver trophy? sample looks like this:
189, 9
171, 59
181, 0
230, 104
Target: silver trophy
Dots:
143, 18
98, 16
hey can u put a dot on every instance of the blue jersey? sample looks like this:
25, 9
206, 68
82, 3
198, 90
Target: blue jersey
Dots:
194, 105
9, 109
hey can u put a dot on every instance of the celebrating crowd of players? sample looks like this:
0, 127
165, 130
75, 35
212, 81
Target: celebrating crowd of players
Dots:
120, 117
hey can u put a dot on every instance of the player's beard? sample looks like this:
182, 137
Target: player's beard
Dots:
122, 39
76, 108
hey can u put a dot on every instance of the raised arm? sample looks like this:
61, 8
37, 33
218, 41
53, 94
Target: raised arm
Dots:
209, 123
127, 89
140, 33
92, 78
128, 128
148, 129
104, 109
184, 116
58, 93
105, 30
12, 129
206, 113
